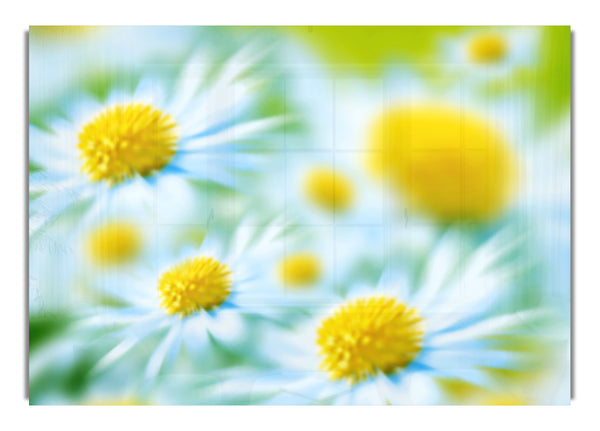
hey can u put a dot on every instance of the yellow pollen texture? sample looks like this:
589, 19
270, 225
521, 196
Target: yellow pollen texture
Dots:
444, 161
299, 270
368, 335
487, 48
200, 283
114, 243
329, 189
126, 140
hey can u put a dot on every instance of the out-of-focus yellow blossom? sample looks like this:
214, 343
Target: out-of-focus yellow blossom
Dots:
487, 48
299, 270
463, 392
444, 161
329, 190
114, 243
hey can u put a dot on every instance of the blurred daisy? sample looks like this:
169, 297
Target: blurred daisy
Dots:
202, 296
67, 274
113, 243
445, 161
487, 54
310, 264
145, 147
330, 188
301, 270
440, 153
107, 250
390, 343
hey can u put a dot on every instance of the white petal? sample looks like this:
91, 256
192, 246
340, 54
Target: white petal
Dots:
195, 335
226, 326
442, 262
176, 201
413, 388
368, 394
236, 133
168, 347
49, 206
240, 63
149, 91
117, 352
192, 76
55, 152
494, 325
116, 318
52, 181
468, 360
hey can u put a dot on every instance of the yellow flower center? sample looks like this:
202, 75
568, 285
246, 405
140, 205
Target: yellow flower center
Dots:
444, 161
299, 270
126, 140
201, 283
487, 48
369, 335
329, 190
114, 243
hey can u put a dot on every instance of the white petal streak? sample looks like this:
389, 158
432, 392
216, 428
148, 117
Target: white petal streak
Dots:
484, 279
135, 334
508, 323
52, 151
49, 181
193, 74
168, 347
116, 353
438, 268
49, 206
449, 360
233, 134
240, 63
116, 318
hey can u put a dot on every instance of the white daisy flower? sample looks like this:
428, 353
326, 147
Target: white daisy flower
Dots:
390, 344
330, 188
146, 147
202, 296
64, 276
309, 265
484, 54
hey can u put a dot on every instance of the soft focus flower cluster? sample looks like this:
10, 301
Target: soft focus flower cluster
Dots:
346, 215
